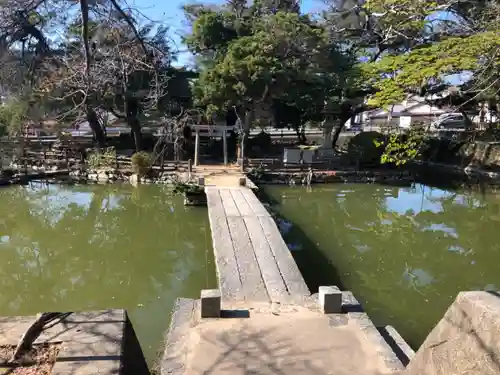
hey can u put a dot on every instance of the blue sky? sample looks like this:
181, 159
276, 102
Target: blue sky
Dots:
169, 11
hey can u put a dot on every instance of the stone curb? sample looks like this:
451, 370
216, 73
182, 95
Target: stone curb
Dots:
404, 352
174, 359
322, 177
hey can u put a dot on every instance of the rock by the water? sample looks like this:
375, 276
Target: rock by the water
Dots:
134, 179
102, 177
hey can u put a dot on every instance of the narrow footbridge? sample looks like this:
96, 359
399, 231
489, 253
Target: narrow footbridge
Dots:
262, 319
253, 261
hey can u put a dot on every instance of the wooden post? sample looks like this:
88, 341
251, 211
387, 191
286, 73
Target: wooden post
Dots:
196, 148
224, 144
190, 168
242, 156
24, 157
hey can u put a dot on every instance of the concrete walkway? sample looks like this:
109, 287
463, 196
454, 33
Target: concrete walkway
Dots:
220, 176
275, 340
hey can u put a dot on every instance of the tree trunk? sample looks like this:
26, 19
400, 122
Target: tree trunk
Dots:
347, 112
482, 113
327, 127
336, 134
135, 128
132, 112
247, 124
96, 127
468, 122
343, 118
301, 135
33, 332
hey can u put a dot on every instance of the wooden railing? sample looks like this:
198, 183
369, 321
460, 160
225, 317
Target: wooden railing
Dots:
71, 155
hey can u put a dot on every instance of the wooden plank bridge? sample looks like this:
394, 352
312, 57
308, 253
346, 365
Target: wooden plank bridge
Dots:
253, 261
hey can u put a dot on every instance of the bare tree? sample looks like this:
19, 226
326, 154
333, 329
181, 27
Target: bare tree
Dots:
113, 62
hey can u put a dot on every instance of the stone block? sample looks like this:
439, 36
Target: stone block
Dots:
93, 176
465, 341
307, 156
330, 299
102, 177
292, 155
210, 303
243, 181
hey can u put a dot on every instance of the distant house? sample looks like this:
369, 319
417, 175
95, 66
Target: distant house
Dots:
413, 110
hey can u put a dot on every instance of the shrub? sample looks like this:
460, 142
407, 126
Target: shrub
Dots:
141, 163
258, 173
364, 148
7, 173
187, 188
399, 148
262, 140
102, 159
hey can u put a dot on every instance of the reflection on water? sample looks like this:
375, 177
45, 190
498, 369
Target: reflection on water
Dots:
404, 252
97, 247
417, 277
283, 225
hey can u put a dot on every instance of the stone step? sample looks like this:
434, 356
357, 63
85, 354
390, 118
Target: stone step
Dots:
274, 339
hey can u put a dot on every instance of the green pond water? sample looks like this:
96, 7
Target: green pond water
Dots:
404, 252
97, 247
